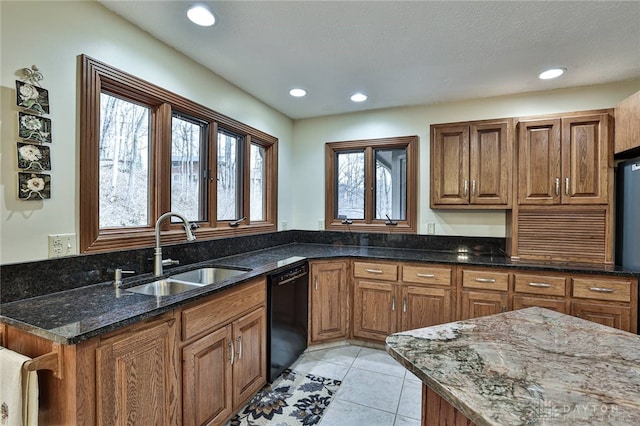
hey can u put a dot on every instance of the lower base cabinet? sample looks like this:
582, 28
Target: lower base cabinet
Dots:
136, 378
329, 301
605, 314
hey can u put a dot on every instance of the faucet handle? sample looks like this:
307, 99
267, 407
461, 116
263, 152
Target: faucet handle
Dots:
117, 278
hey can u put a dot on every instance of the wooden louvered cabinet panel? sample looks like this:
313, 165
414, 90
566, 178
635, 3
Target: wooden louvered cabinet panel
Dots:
471, 164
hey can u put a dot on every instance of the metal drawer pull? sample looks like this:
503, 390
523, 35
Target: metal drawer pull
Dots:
374, 271
426, 275
602, 289
231, 352
566, 186
239, 340
404, 304
541, 285
473, 187
486, 280
465, 188
557, 186
393, 303
316, 283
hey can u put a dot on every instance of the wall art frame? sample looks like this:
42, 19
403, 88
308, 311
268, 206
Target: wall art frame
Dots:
33, 156
34, 128
34, 186
32, 98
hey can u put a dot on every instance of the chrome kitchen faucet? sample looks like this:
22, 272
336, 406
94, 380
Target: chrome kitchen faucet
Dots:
158, 261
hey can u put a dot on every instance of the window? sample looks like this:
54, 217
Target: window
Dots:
145, 151
372, 184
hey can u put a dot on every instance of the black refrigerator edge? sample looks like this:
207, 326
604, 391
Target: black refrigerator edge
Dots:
627, 245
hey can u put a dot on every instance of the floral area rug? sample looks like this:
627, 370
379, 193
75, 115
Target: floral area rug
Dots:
293, 399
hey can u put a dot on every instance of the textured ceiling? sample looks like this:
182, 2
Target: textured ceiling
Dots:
398, 52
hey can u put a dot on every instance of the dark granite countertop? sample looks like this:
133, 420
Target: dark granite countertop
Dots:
72, 316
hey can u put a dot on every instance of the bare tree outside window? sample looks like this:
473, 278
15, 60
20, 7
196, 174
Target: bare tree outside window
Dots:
391, 183
257, 189
187, 195
229, 201
351, 184
124, 163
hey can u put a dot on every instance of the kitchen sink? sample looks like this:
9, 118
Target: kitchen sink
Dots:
166, 287
205, 276
185, 281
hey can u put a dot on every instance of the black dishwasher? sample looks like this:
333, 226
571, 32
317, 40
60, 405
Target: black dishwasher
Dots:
288, 314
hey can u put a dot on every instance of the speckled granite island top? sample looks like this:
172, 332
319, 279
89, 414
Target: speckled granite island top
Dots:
528, 367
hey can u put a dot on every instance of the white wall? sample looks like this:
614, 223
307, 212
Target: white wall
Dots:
51, 34
310, 136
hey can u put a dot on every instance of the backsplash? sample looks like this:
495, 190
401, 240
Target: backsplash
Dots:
31, 279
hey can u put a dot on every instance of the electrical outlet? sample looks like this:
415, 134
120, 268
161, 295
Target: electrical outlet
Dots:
431, 228
62, 245
284, 225
321, 225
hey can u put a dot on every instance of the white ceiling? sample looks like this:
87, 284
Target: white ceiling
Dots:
398, 52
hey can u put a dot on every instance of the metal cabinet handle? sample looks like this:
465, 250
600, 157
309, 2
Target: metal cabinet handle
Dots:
465, 188
473, 187
541, 285
566, 186
315, 285
425, 275
602, 289
239, 340
485, 280
393, 303
404, 304
557, 186
374, 271
232, 354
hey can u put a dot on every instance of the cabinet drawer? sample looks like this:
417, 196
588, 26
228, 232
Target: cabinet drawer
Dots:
487, 280
593, 288
426, 275
378, 271
540, 284
221, 308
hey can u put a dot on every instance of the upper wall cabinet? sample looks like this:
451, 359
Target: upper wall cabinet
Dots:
627, 115
471, 165
563, 160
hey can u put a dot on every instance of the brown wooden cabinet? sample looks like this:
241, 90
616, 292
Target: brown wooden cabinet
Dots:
471, 164
385, 302
564, 160
226, 363
137, 376
329, 299
627, 114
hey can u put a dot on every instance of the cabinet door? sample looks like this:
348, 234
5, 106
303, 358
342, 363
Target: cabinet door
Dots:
521, 302
610, 315
206, 378
425, 306
479, 304
375, 309
450, 165
136, 374
585, 156
250, 358
539, 162
490, 163
329, 301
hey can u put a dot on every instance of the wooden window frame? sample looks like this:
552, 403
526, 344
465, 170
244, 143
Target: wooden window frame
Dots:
96, 78
370, 224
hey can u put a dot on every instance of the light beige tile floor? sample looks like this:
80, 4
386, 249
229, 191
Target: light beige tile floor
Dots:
375, 390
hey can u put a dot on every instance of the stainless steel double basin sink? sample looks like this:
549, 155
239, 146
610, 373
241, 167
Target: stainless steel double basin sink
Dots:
185, 281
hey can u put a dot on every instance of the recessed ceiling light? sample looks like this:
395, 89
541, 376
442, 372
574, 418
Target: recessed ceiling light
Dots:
358, 97
202, 16
551, 73
297, 93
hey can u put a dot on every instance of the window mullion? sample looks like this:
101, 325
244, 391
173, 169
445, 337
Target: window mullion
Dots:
161, 162
246, 179
369, 179
212, 185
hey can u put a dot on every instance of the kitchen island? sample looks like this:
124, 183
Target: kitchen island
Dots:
528, 367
